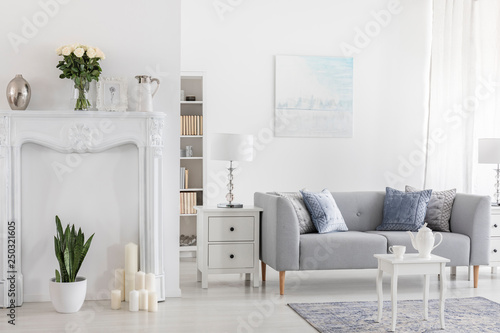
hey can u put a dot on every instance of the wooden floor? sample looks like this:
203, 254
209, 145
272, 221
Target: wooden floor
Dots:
232, 305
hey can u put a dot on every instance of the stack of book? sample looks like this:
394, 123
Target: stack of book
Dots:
184, 178
188, 201
191, 125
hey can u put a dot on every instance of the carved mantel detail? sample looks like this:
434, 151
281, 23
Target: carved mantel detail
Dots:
3, 131
3, 135
80, 137
156, 135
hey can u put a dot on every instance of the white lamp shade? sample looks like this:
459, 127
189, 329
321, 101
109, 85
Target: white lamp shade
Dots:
489, 151
232, 147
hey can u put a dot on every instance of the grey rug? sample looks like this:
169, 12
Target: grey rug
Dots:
475, 314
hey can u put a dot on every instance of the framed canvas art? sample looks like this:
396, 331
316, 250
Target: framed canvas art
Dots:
313, 96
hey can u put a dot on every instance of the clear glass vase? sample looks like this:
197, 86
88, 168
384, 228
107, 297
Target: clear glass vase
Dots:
81, 94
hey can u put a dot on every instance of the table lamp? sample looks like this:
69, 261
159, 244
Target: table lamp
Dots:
489, 153
231, 147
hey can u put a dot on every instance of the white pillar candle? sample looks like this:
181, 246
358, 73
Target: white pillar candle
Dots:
150, 282
133, 303
120, 281
131, 258
143, 299
116, 299
152, 301
129, 284
140, 280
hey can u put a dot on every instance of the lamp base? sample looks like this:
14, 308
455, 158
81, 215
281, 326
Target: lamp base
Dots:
229, 205
494, 204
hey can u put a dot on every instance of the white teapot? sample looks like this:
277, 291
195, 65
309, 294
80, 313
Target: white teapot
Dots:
424, 242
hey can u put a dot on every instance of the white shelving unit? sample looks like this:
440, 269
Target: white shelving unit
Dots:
193, 84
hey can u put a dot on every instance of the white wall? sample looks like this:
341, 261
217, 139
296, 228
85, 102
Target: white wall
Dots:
138, 37
236, 44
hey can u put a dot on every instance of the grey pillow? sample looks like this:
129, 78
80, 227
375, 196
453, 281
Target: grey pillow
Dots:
306, 225
404, 211
325, 214
439, 208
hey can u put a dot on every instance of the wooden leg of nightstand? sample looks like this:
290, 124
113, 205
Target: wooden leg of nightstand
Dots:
263, 269
476, 275
282, 282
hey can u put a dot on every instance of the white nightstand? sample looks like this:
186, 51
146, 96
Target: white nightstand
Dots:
495, 239
228, 241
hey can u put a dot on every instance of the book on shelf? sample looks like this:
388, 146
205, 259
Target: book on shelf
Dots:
187, 202
191, 125
184, 178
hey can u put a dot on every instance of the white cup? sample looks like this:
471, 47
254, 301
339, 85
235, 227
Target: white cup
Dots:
398, 250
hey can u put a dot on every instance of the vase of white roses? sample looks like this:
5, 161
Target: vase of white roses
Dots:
80, 64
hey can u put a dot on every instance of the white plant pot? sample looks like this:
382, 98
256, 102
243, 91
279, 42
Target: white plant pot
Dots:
68, 297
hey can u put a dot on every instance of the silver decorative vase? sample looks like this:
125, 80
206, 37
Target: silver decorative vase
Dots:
18, 93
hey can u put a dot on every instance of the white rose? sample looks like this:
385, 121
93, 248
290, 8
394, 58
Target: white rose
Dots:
66, 51
99, 53
59, 50
84, 47
79, 52
91, 53
74, 46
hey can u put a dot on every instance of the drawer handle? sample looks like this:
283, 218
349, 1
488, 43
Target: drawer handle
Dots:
231, 229
232, 256
495, 225
495, 250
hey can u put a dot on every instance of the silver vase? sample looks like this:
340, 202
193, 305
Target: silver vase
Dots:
18, 93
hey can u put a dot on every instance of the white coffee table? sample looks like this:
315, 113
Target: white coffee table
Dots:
411, 264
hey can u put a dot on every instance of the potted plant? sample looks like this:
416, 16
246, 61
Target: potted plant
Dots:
67, 290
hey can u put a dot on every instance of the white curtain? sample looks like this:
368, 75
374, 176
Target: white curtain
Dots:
464, 99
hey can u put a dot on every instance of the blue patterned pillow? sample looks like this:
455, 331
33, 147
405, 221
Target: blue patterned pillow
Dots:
404, 211
324, 212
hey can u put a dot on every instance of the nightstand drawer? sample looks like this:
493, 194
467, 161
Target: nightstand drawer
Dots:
495, 246
495, 225
230, 256
231, 228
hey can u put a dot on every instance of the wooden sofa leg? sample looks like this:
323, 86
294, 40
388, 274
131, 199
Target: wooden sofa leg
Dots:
263, 269
282, 282
476, 275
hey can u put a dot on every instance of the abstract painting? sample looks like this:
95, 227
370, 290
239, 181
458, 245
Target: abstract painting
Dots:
313, 96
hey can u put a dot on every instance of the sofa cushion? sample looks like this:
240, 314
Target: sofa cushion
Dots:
340, 250
404, 211
455, 247
439, 208
305, 223
324, 212
361, 211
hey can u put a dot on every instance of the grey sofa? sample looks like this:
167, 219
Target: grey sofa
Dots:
284, 249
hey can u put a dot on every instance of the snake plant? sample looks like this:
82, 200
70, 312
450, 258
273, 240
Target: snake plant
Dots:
70, 249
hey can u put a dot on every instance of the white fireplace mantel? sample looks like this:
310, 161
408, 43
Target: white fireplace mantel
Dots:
80, 132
